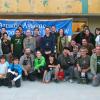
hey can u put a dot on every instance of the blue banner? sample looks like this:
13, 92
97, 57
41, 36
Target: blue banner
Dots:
12, 25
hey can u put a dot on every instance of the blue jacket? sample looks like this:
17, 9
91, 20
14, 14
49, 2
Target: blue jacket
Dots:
17, 68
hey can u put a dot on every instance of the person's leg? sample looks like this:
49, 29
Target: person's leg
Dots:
70, 71
56, 70
40, 75
44, 76
47, 77
9, 79
77, 74
96, 81
0, 82
24, 77
31, 76
18, 83
4, 82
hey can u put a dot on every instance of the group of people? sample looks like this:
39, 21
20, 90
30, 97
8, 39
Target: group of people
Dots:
27, 56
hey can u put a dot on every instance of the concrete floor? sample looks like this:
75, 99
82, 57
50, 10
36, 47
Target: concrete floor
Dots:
52, 91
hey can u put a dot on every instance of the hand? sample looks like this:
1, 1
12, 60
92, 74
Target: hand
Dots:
16, 74
94, 77
84, 70
79, 69
2, 76
14, 79
38, 71
26, 74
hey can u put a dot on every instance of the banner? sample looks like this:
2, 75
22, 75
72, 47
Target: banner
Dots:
12, 25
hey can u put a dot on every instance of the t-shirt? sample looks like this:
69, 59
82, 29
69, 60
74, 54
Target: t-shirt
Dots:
84, 63
51, 68
17, 44
98, 64
3, 68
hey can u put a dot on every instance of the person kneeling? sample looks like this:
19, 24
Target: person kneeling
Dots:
14, 73
51, 69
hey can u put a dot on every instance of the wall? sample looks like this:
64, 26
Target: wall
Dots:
50, 6
94, 22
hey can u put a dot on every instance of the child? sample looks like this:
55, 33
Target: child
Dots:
3, 70
52, 68
14, 73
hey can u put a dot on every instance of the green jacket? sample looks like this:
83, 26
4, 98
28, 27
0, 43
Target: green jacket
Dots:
38, 63
93, 64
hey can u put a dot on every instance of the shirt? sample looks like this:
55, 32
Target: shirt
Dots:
84, 63
3, 68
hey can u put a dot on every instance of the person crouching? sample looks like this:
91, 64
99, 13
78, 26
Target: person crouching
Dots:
14, 73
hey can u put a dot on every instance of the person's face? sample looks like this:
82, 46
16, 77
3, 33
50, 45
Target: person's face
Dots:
5, 36
20, 29
28, 33
27, 51
53, 28
18, 33
65, 52
61, 32
2, 60
97, 32
16, 61
47, 31
38, 54
51, 58
36, 31
3, 30
87, 32
98, 50
73, 43
83, 52
84, 42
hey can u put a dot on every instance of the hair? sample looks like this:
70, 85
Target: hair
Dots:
52, 55
84, 39
3, 57
15, 58
97, 29
36, 28
63, 31
3, 27
47, 27
83, 48
39, 51
5, 33
17, 29
66, 48
20, 26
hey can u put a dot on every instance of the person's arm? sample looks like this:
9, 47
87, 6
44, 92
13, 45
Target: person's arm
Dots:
37, 65
92, 65
19, 74
78, 67
24, 44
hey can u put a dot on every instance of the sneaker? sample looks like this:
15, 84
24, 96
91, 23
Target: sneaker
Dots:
71, 81
10, 86
56, 81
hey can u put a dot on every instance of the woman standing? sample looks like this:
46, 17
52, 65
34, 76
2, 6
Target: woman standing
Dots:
6, 46
62, 41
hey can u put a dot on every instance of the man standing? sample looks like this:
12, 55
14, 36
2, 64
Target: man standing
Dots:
17, 44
